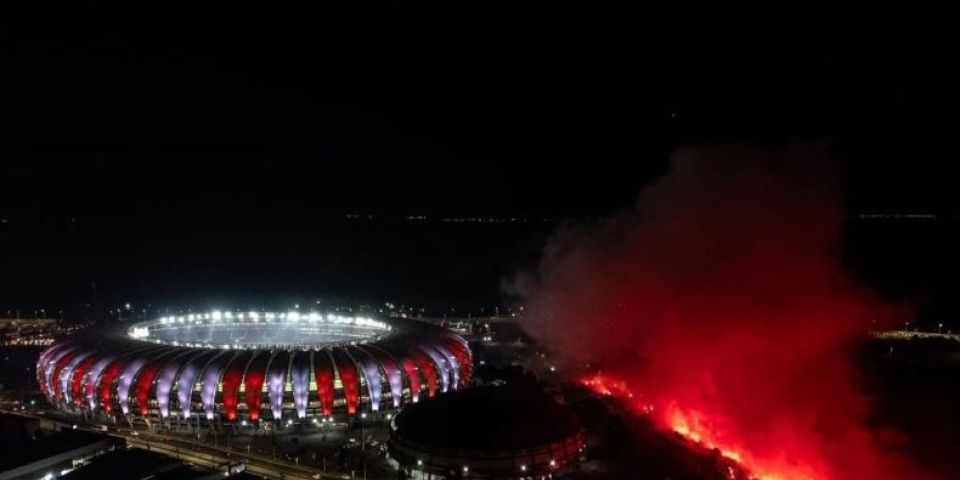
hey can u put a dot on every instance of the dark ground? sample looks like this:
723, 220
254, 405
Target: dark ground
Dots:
916, 386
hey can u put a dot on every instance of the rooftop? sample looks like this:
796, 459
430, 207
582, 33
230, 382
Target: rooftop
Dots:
486, 419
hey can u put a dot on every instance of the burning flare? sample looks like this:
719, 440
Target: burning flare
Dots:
692, 426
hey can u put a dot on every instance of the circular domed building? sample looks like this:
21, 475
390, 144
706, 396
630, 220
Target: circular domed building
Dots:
252, 366
487, 432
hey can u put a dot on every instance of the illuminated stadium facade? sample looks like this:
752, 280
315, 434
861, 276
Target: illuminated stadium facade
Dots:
254, 366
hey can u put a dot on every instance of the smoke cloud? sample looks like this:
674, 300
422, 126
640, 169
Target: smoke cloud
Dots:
720, 300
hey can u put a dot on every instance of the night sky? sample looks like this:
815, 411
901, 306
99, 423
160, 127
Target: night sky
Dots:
217, 165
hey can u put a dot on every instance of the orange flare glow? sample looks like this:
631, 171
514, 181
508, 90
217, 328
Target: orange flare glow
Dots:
692, 426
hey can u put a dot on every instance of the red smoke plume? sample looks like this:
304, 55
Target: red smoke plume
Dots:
720, 303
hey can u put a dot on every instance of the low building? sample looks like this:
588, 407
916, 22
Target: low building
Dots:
35, 449
487, 432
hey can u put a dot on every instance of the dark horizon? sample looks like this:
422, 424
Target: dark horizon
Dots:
214, 166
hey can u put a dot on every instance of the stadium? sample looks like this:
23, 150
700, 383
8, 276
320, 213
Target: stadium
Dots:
252, 367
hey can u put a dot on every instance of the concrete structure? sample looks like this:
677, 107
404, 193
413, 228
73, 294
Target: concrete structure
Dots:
32, 450
245, 367
487, 432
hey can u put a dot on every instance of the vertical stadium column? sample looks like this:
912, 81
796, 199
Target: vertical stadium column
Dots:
371, 374
392, 371
67, 375
110, 375
300, 377
405, 360
232, 377
441, 365
165, 379
187, 380
323, 371
253, 383
57, 377
413, 376
452, 364
76, 382
211, 380
464, 357
429, 369
145, 380
349, 379
93, 376
126, 379
43, 363
51, 367
276, 380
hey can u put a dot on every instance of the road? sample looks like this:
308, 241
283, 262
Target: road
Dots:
216, 458
200, 454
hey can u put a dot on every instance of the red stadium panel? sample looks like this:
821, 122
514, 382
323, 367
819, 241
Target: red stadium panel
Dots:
147, 375
463, 358
253, 384
425, 364
50, 364
404, 359
230, 381
350, 380
45, 358
57, 385
107, 378
391, 370
323, 371
76, 383
146, 378
413, 375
